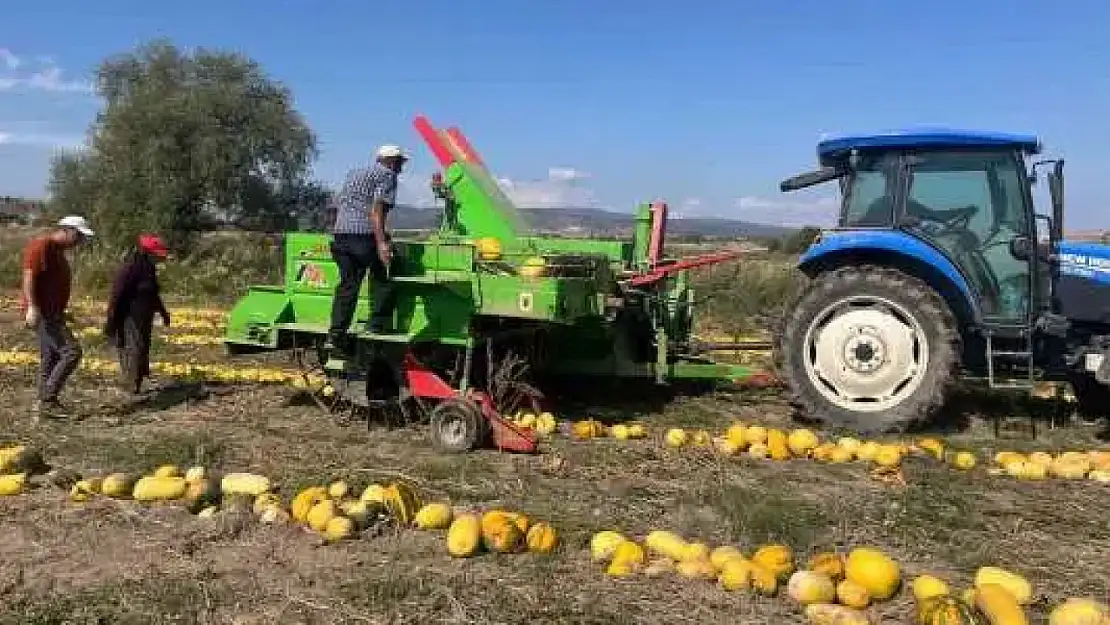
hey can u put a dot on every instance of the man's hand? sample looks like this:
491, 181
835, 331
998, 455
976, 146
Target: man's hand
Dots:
31, 318
385, 253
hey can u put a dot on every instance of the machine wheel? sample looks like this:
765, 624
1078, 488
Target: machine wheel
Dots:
457, 425
868, 348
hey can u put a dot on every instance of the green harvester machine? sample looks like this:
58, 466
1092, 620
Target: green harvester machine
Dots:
479, 299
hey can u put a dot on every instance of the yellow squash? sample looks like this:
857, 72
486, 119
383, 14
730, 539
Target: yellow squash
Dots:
736, 574
321, 514
434, 516
829, 563
402, 502
542, 538
1079, 612
875, 571
244, 484
778, 559
604, 544
159, 488
927, 586
999, 605
304, 501
464, 536
666, 544
808, 587
852, 595
12, 484
117, 485
1015, 584
339, 528
501, 534
832, 614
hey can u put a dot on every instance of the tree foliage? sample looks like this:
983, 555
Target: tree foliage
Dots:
184, 138
799, 240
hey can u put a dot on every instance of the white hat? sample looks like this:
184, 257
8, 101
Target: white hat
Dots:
78, 223
391, 151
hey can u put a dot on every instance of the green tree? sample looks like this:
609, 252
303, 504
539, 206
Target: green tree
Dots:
183, 138
800, 240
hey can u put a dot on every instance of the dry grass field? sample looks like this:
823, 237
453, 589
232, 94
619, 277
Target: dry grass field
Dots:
119, 561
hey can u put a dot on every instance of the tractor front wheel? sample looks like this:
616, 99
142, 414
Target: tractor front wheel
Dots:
457, 425
868, 348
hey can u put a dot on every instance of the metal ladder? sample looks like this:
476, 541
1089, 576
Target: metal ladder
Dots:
1026, 354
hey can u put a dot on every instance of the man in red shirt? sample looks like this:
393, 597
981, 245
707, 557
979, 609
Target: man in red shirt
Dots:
45, 295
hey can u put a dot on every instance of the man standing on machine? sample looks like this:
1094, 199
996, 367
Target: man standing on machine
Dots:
361, 243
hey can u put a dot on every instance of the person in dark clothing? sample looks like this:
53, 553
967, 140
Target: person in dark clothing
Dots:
134, 301
361, 243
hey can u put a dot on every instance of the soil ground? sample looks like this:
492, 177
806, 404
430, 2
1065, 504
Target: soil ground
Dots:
107, 561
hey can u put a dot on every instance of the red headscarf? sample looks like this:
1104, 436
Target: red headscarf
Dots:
152, 244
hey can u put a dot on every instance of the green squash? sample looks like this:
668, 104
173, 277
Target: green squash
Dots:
949, 610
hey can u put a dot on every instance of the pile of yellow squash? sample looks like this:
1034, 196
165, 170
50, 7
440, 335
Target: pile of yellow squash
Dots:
1069, 465
498, 531
834, 588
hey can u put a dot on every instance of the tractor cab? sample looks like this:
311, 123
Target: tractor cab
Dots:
965, 195
936, 268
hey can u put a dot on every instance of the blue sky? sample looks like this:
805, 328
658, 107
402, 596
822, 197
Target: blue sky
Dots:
705, 104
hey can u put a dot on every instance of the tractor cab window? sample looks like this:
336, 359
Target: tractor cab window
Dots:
869, 194
971, 205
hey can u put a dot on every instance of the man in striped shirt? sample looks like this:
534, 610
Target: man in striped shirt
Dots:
361, 242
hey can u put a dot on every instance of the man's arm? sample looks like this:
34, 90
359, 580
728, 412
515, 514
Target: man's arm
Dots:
34, 262
29, 288
377, 221
381, 198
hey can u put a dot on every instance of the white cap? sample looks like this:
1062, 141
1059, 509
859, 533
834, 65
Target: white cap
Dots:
78, 223
391, 151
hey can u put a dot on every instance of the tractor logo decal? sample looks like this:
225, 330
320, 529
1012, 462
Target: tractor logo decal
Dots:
1085, 266
310, 275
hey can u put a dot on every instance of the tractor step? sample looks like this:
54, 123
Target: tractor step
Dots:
1025, 355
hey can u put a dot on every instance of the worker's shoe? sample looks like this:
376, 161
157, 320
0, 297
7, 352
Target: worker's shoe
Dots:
48, 409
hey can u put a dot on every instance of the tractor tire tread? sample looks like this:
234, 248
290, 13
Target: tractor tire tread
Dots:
913, 293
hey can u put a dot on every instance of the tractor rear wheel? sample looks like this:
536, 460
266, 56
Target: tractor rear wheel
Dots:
868, 348
457, 425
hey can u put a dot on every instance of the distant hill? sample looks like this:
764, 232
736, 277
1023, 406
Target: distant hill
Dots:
592, 221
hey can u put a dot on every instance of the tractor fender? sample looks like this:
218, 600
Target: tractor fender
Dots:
891, 248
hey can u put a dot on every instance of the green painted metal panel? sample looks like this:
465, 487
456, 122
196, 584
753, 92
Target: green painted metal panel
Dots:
250, 321
483, 208
557, 300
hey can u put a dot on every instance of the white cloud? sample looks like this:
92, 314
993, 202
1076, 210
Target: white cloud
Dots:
561, 189
565, 174
45, 76
813, 210
9, 60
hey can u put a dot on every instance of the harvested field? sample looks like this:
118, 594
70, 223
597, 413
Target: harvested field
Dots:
114, 561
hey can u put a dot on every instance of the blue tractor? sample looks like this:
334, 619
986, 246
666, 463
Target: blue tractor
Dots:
940, 267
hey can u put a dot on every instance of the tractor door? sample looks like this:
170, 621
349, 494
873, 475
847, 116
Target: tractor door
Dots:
972, 205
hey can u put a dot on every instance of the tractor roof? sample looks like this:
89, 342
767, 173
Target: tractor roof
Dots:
834, 149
